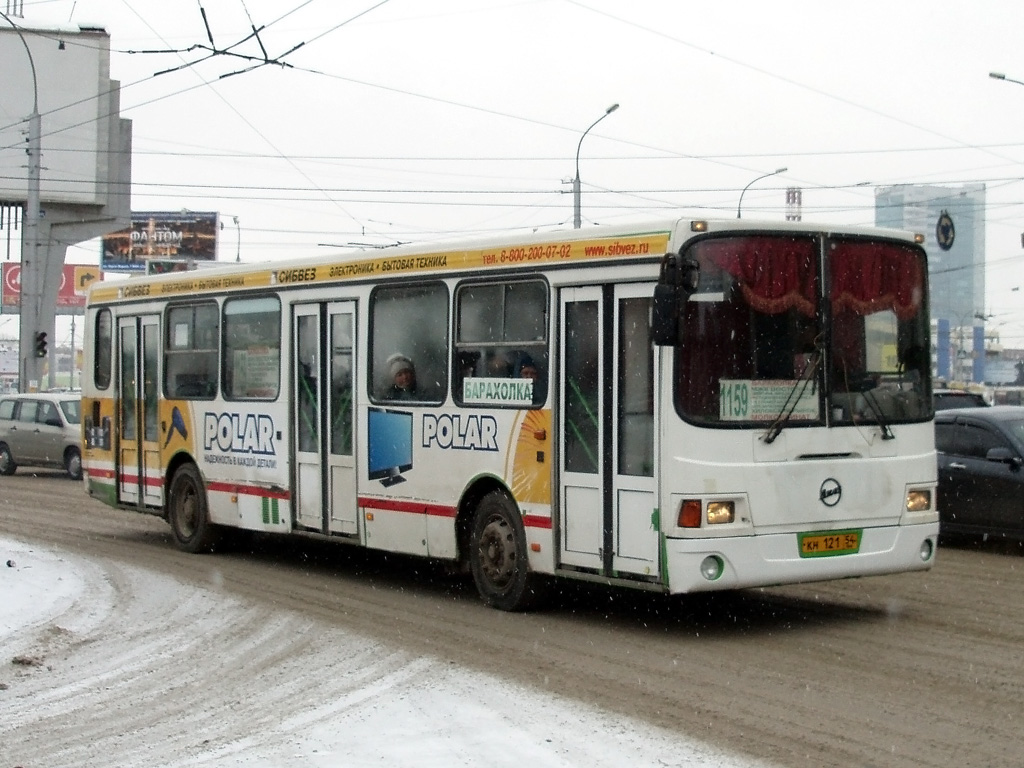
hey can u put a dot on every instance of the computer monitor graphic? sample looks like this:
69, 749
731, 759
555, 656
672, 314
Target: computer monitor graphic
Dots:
389, 445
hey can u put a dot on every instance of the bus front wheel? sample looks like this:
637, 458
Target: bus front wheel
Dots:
188, 514
498, 555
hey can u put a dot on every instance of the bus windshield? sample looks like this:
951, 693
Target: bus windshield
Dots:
804, 329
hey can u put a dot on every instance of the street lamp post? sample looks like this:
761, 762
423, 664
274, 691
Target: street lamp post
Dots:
765, 176
1001, 76
576, 181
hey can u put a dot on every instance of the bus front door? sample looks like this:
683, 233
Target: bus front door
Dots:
322, 417
607, 492
139, 477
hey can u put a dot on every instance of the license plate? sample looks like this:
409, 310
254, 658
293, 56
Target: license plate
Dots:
829, 544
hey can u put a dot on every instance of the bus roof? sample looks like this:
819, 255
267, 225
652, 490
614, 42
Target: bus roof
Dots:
590, 246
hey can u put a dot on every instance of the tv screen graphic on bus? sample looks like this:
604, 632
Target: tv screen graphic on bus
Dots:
389, 445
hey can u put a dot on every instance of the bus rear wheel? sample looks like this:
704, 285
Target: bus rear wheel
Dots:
188, 513
498, 557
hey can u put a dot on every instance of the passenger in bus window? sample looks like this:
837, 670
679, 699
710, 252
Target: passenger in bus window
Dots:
528, 370
467, 364
499, 366
403, 378
466, 369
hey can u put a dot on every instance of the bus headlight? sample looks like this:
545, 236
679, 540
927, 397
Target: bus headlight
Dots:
721, 512
919, 501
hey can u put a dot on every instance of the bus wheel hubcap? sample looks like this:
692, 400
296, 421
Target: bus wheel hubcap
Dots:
497, 550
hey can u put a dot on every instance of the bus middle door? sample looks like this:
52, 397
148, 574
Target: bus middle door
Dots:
322, 417
607, 490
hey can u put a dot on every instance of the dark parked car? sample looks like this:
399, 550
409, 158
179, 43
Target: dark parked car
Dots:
981, 470
943, 399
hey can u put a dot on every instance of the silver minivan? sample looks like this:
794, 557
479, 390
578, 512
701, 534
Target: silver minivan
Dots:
41, 429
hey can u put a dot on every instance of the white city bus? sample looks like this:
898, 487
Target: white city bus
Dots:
690, 405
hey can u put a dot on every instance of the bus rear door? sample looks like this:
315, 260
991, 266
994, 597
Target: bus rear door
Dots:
139, 475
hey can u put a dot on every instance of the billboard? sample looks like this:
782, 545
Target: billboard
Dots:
165, 235
69, 84
74, 284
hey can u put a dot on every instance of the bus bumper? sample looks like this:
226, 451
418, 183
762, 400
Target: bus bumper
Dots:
774, 559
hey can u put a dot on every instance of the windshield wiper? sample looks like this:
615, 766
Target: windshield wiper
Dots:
876, 409
807, 377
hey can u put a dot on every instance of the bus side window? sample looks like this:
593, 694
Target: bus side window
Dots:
103, 344
409, 324
252, 348
190, 351
501, 334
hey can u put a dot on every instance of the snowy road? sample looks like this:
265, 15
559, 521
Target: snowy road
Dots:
116, 665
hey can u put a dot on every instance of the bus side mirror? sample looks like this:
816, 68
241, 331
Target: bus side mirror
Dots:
665, 316
679, 278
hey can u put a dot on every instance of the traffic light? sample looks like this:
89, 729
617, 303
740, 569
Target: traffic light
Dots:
41, 344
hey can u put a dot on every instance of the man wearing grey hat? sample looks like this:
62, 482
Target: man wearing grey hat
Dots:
403, 378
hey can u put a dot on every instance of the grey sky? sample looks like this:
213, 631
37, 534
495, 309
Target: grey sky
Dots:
408, 121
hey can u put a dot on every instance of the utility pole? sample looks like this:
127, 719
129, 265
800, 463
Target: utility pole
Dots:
74, 357
30, 366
